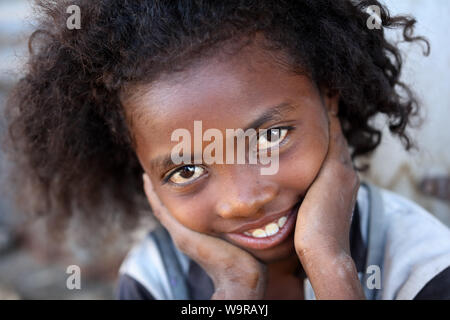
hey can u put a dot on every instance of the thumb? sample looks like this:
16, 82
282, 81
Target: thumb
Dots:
198, 245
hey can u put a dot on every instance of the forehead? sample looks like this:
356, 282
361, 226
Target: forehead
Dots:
224, 93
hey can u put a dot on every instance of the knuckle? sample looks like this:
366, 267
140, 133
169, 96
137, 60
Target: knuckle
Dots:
181, 245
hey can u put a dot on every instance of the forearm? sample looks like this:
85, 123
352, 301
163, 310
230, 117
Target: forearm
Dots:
332, 276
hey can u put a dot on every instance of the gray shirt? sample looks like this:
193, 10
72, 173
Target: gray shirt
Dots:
400, 251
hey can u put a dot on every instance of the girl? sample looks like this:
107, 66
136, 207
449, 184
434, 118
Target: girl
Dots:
93, 121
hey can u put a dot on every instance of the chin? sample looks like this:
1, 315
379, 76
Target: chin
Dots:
283, 251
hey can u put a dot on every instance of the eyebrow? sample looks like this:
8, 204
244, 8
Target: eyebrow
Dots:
165, 161
272, 114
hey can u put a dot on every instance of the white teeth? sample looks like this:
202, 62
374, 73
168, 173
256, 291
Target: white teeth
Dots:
259, 233
271, 229
282, 221
268, 230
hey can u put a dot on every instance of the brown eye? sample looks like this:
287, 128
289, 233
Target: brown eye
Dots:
272, 137
186, 174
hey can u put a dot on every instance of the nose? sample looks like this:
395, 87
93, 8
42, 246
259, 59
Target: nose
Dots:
244, 196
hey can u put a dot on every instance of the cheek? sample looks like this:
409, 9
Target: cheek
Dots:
299, 168
190, 212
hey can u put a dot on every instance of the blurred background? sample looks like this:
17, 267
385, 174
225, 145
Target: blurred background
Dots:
33, 267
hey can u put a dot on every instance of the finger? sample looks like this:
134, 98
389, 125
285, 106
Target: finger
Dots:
340, 151
187, 240
338, 147
153, 199
197, 245
160, 211
330, 196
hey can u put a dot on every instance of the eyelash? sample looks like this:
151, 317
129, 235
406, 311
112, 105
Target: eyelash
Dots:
167, 177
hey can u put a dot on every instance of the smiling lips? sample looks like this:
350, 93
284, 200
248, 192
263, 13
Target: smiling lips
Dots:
268, 235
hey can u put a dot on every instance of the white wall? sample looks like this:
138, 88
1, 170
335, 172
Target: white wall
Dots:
392, 167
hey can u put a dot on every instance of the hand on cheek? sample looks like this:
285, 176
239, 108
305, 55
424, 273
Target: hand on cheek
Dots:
323, 223
235, 273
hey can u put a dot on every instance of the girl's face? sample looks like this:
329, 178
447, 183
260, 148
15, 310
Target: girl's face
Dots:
226, 200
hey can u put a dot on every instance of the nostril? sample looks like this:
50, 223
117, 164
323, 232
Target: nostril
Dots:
228, 211
238, 209
244, 204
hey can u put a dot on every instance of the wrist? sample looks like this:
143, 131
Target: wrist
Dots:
246, 285
238, 291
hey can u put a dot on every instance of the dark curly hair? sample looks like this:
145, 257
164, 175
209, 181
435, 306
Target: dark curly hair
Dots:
72, 146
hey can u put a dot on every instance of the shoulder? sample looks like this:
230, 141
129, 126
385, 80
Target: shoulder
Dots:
146, 266
415, 248
130, 289
410, 227
437, 288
